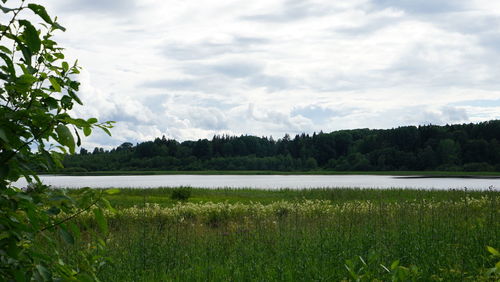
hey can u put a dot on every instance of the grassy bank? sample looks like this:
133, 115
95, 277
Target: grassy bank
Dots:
129, 197
269, 172
301, 235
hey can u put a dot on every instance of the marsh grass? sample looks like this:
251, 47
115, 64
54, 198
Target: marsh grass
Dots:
300, 235
129, 197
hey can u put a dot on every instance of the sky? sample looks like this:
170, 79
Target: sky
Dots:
192, 69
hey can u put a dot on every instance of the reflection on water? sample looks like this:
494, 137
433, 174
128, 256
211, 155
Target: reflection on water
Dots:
267, 181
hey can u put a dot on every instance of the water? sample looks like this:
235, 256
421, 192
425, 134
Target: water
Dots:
267, 181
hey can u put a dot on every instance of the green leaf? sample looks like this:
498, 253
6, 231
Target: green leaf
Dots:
10, 65
59, 55
27, 54
493, 251
65, 66
78, 139
6, 10
30, 36
107, 205
67, 237
4, 235
75, 97
5, 49
101, 220
55, 84
66, 102
112, 191
44, 272
76, 121
57, 158
56, 25
106, 130
51, 103
65, 137
3, 136
41, 12
395, 264
26, 79
87, 131
92, 120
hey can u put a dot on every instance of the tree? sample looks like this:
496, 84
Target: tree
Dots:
37, 92
448, 152
125, 146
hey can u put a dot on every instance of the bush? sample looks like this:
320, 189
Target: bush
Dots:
181, 193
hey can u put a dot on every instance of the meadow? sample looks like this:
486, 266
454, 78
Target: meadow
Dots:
299, 235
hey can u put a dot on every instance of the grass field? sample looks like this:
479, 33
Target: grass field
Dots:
301, 235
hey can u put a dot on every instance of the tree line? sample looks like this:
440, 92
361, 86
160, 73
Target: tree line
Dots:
460, 147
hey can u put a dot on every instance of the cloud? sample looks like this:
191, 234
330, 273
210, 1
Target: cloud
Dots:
291, 10
279, 121
189, 70
479, 103
422, 6
97, 6
454, 115
208, 118
318, 113
177, 84
430, 115
205, 48
227, 74
237, 69
294, 10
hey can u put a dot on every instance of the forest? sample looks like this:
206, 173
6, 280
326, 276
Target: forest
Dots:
460, 147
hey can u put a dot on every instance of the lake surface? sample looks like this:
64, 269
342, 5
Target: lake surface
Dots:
267, 181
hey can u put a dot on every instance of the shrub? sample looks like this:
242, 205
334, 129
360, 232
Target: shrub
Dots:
181, 193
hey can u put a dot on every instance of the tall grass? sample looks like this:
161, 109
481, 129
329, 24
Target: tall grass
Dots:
307, 235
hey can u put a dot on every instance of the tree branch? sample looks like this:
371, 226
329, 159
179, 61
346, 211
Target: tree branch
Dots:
12, 20
70, 217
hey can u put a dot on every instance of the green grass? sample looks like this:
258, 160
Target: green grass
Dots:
269, 172
129, 197
300, 235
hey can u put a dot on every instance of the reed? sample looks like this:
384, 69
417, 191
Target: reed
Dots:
305, 235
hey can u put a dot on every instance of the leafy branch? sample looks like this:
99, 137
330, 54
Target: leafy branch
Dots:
37, 94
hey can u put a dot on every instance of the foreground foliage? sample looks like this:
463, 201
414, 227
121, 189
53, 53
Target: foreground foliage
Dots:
306, 235
37, 92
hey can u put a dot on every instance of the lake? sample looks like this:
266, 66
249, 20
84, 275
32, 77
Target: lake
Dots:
267, 181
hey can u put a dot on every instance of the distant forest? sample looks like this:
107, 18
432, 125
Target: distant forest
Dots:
464, 147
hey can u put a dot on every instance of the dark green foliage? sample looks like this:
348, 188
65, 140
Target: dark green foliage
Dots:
37, 93
181, 193
466, 147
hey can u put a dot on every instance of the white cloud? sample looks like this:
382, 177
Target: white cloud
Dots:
190, 69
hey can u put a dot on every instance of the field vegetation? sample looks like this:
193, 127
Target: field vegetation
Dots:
179, 234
